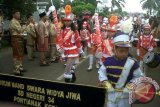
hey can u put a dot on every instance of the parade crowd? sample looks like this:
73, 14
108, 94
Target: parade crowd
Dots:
107, 41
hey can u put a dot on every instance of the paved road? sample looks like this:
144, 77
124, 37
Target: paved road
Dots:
54, 72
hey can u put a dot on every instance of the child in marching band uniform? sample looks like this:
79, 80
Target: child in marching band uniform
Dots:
85, 37
92, 50
145, 44
107, 43
103, 31
71, 46
118, 72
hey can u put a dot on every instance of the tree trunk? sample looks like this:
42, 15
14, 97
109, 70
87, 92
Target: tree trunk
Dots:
111, 8
150, 11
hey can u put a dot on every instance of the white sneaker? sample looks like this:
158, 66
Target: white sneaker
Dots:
84, 57
90, 68
73, 67
97, 66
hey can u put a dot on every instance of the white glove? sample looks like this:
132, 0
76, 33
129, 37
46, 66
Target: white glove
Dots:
89, 45
129, 86
51, 9
108, 86
138, 52
80, 50
150, 49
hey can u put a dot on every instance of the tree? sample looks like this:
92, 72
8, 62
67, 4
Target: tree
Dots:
150, 5
117, 3
78, 7
25, 6
93, 2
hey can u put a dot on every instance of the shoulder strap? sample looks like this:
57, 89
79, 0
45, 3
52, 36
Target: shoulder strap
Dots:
125, 72
68, 35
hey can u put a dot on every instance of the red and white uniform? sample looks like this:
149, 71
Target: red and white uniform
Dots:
71, 43
107, 48
103, 34
93, 39
94, 44
145, 42
85, 35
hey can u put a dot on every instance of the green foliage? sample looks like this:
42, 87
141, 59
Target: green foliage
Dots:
78, 7
76, 3
55, 3
150, 5
158, 13
117, 3
25, 6
67, 2
103, 14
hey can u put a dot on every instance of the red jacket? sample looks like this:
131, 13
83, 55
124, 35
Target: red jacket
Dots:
146, 41
71, 42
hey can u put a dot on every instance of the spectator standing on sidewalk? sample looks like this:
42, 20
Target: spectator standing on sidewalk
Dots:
17, 42
52, 42
31, 32
42, 39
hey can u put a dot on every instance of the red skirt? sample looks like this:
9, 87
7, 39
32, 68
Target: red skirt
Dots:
71, 53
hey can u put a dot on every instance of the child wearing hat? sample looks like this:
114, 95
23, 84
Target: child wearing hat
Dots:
118, 72
71, 45
107, 43
93, 50
145, 44
85, 37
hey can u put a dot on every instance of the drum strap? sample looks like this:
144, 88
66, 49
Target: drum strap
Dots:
68, 35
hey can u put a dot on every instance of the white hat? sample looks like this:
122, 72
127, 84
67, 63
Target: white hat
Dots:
121, 40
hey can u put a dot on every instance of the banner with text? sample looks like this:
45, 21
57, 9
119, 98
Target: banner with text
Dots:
43, 93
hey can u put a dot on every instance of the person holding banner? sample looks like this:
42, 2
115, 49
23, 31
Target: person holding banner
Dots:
118, 72
71, 44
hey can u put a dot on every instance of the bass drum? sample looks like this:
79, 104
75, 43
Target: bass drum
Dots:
151, 59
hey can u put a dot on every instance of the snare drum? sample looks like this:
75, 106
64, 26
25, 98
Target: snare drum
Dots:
151, 59
135, 41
